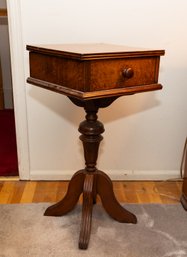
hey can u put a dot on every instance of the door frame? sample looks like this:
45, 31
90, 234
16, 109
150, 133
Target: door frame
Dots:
19, 86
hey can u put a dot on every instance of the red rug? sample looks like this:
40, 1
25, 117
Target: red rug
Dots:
8, 149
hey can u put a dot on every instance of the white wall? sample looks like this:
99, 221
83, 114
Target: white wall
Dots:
5, 59
145, 133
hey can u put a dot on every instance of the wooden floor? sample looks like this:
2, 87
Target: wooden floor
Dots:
128, 191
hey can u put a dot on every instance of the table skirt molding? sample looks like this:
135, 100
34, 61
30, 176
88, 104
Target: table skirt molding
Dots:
113, 174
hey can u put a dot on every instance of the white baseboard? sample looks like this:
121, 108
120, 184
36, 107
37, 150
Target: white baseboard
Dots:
113, 174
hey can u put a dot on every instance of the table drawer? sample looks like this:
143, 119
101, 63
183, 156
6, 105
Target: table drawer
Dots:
130, 72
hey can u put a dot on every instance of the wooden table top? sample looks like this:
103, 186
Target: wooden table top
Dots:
96, 51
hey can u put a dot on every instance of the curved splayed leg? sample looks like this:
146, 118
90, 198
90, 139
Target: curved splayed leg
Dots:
71, 198
111, 205
86, 212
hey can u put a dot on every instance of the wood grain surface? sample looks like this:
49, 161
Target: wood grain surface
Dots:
126, 191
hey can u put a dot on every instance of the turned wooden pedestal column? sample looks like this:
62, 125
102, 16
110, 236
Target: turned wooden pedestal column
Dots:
93, 76
90, 181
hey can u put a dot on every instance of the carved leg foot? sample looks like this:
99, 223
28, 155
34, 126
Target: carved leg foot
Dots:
111, 205
75, 188
86, 212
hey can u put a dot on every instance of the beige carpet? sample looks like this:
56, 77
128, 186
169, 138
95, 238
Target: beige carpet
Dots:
161, 232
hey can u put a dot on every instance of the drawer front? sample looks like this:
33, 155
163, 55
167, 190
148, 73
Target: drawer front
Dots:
118, 73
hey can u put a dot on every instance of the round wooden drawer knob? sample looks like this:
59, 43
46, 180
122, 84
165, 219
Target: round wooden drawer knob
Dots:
128, 73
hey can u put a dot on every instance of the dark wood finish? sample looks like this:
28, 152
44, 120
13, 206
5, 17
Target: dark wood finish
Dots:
94, 51
111, 205
97, 74
93, 76
91, 181
75, 188
88, 200
184, 187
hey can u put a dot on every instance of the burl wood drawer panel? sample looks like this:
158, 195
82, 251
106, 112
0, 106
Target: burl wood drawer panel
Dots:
108, 74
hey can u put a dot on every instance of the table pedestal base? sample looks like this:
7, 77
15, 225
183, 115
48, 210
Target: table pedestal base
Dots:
90, 184
91, 181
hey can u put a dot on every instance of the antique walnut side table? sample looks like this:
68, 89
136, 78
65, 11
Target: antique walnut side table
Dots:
92, 76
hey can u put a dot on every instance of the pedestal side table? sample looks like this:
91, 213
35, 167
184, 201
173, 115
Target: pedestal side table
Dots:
92, 76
